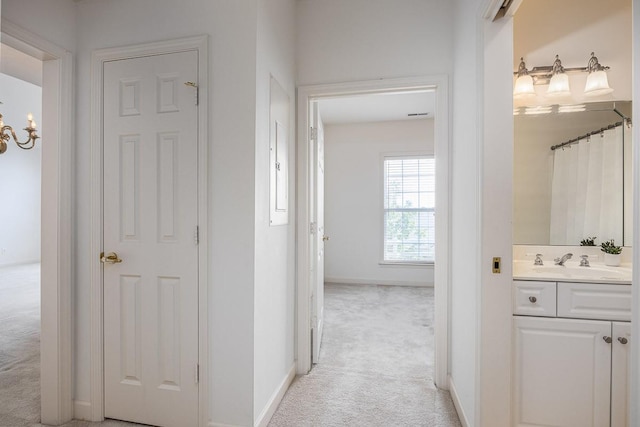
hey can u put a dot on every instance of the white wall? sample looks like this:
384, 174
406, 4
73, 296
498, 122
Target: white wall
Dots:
236, 127
635, 337
274, 246
339, 41
353, 199
465, 209
232, 133
20, 175
574, 29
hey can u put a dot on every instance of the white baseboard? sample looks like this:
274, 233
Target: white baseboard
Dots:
456, 402
342, 280
212, 424
81, 410
270, 409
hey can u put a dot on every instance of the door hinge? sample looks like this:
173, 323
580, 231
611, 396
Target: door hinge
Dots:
312, 228
197, 372
314, 133
196, 235
197, 90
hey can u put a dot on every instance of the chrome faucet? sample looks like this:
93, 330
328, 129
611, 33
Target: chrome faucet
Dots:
565, 257
538, 260
584, 262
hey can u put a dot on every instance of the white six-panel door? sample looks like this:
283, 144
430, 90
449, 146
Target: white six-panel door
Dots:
317, 280
150, 223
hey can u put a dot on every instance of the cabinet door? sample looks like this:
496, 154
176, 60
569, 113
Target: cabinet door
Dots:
620, 374
562, 372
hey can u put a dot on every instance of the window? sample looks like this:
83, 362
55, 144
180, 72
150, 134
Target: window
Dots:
409, 201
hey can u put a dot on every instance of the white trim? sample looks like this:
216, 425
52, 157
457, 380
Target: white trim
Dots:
414, 264
346, 281
456, 403
306, 94
57, 168
271, 406
212, 424
81, 410
98, 58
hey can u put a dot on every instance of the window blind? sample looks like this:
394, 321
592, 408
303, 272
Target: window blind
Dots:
409, 202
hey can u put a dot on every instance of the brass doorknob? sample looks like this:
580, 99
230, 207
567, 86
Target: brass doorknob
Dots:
110, 258
325, 238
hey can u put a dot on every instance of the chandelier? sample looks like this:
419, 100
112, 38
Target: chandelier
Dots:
7, 132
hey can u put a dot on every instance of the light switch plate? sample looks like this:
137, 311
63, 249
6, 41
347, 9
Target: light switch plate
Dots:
496, 264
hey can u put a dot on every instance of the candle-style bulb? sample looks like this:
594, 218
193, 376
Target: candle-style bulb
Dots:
30, 117
33, 124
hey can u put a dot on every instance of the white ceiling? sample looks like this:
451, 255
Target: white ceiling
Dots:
377, 107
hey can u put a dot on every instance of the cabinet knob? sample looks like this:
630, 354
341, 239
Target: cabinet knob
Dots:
623, 340
533, 300
607, 339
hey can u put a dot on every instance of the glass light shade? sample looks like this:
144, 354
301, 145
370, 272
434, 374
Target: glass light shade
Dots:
559, 85
597, 84
524, 87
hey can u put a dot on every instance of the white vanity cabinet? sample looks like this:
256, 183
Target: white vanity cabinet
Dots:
570, 362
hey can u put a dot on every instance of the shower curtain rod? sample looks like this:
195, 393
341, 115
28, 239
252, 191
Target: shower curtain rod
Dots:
587, 135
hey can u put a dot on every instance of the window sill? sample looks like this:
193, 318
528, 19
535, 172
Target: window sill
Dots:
406, 263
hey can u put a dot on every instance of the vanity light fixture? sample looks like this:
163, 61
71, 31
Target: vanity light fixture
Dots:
557, 77
7, 132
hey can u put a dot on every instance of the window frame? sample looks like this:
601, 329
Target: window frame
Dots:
390, 156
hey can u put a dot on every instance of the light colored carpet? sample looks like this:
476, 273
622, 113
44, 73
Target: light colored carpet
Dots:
376, 364
20, 345
20, 350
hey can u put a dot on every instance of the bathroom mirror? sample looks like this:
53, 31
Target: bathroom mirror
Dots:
582, 187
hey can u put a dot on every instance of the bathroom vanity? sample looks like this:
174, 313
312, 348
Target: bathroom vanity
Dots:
571, 329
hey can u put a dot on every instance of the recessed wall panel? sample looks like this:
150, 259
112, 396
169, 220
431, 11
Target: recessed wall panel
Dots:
130, 330
129, 97
169, 332
167, 185
167, 93
129, 187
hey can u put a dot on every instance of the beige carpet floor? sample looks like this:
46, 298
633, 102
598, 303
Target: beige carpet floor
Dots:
376, 364
375, 369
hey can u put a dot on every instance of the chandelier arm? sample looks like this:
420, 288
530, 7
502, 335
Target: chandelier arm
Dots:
26, 145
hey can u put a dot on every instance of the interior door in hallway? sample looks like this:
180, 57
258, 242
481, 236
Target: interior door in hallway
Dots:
319, 238
150, 200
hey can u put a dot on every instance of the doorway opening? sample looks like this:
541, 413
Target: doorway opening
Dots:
311, 232
20, 171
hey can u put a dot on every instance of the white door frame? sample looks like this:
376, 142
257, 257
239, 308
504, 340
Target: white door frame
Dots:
55, 277
308, 94
98, 58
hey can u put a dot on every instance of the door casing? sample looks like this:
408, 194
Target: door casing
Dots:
99, 57
308, 94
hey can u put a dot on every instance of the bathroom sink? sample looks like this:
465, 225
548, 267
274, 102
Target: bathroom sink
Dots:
595, 273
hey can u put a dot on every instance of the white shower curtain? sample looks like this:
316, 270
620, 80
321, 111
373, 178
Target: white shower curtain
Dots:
586, 192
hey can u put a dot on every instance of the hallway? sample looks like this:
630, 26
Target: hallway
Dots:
376, 364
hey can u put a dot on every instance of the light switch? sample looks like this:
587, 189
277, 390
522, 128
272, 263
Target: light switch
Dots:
496, 264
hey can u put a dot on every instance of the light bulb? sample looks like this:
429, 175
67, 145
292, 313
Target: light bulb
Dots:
524, 87
559, 85
597, 84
